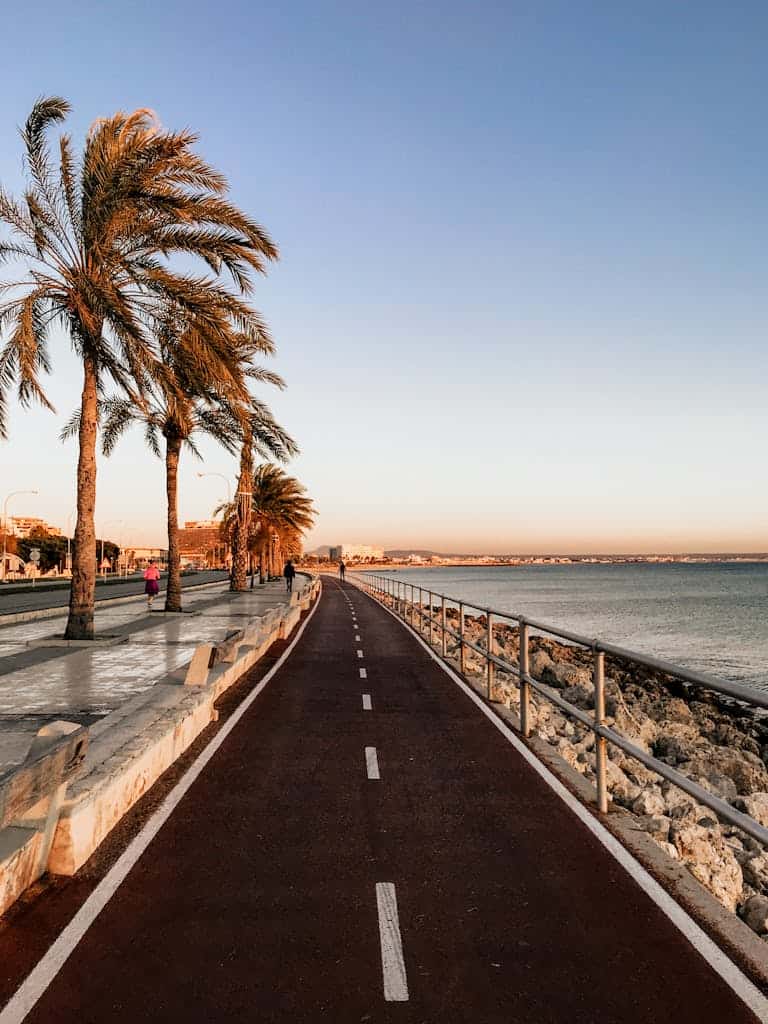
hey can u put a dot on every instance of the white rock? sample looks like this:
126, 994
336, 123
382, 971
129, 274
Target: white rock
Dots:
755, 872
656, 826
710, 860
621, 788
756, 806
650, 802
755, 914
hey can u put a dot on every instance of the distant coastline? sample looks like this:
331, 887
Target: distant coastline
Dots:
434, 561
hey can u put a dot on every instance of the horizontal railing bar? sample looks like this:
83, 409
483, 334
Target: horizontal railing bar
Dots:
703, 796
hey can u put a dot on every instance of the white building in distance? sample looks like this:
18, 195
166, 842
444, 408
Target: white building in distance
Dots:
23, 526
355, 553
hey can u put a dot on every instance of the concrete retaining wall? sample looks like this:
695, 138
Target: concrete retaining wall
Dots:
31, 797
132, 747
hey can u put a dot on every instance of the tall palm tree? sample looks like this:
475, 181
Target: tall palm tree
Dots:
281, 514
193, 398
241, 522
95, 237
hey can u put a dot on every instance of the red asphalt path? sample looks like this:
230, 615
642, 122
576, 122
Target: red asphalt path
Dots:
257, 899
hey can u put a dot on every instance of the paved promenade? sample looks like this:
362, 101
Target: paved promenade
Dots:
40, 682
366, 846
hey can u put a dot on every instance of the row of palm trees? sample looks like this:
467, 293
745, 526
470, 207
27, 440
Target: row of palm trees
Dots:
104, 241
280, 513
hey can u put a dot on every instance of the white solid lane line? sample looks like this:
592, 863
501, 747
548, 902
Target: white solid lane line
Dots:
359, 653
367, 702
372, 763
392, 959
363, 674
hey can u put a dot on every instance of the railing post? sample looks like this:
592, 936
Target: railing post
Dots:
410, 603
431, 623
598, 678
444, 637
462, 646
525, 690
489, 672
421, 614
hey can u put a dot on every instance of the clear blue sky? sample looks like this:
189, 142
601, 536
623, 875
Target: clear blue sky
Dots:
522, 299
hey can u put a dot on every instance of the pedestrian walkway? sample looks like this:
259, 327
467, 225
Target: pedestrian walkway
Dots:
39, 682
365, 845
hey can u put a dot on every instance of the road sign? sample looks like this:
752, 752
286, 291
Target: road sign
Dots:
34, 555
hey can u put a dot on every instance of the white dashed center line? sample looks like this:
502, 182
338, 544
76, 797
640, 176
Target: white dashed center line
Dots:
359, 653
372, 763
392, 960
357, 637
366, 702
363, 674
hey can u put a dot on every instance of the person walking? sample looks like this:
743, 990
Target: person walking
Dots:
342, 570
151, 583
289, 572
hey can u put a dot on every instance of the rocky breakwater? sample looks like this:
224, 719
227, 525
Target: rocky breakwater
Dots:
720, 745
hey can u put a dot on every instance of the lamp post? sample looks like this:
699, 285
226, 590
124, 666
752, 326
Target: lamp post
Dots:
5, 525
70, 517
103, 528
226, 481
221, 476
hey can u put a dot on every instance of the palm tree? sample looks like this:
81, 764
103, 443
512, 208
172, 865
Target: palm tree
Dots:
241, 522
95, 237
281, 514
254, 442
193, 398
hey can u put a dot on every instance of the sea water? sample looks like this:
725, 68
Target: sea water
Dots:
710, 617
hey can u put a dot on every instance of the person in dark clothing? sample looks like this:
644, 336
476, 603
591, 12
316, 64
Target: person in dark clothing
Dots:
342, 570
289, 572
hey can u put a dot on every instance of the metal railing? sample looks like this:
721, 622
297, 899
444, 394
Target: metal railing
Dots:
400, 595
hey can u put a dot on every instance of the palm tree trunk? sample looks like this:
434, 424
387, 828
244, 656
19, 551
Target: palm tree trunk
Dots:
83, 587
243, 498
173, 592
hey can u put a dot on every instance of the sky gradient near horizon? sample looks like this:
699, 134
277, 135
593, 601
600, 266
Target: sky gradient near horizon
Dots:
522, 299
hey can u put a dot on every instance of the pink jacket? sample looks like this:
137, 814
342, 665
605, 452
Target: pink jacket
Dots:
152, 573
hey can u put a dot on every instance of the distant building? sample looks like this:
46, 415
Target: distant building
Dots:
355, 553
139, 558
23, 526
200, 543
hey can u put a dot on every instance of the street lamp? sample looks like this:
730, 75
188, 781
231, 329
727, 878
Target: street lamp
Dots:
221, 476
70, 517
5, 525
226, 481
103, 528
